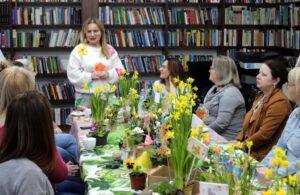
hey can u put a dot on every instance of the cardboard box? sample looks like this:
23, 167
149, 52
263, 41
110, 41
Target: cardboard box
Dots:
159, 174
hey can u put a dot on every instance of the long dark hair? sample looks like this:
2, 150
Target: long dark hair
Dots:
175, 68
28, 131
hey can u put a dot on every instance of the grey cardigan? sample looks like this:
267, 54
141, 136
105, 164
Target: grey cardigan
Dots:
226, 109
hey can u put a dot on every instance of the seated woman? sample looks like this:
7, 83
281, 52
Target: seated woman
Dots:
263, 124
290, 138
66, 144
170, 69
28, 150
13, 81
224, 101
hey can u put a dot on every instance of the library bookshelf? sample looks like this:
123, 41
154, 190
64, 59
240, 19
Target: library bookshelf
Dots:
163, 27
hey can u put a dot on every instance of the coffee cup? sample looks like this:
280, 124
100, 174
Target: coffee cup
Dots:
89, 143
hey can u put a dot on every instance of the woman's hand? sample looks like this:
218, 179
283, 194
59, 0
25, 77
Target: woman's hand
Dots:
104, 74
72, 169
99, 75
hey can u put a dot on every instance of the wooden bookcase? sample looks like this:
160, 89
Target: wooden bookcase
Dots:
91, 8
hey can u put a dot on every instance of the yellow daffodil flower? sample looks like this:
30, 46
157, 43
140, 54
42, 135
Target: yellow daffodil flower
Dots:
239, 145
276, 161
269, 173
135, 75
176, 80
284, 164
86, 86
229, 147
170, 135
82, 50
176, 116
269, 192
292, 180
194, 132
249, 144
190, 80
280, 192
279, 152
171, 96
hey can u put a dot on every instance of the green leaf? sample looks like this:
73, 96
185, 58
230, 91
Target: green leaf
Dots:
78, 101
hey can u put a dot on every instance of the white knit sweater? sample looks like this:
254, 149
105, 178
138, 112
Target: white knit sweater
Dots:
82, 62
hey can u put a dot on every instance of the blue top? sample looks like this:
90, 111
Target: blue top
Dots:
289, 142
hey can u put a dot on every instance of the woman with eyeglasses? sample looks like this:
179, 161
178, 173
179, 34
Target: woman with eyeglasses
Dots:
224, 101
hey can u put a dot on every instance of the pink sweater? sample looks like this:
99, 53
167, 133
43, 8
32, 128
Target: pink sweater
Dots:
60, 171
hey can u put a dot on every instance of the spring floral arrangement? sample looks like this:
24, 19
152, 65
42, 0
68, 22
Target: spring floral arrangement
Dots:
288, 185
133, 137
99, 102
180, 119
229, 165
126, 83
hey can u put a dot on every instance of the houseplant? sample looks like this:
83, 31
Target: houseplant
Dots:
137, 177
180, 119
99, 102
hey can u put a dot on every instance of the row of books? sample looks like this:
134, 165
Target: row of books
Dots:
131, 1
60, 115
57, 91
5, 38
135, 38
131, 16
253, 1
142, 64
159, 1
4, 13
46, 16
42, 38
192, 38
257, 16
183, 1
46, 64
193, 16
270, 38
50, 1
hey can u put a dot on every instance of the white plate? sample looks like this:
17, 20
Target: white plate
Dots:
77, 113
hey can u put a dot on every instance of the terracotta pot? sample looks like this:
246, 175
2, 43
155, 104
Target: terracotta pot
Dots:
138, 181
101, 141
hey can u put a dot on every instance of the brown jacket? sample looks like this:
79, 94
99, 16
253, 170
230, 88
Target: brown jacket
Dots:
267, 123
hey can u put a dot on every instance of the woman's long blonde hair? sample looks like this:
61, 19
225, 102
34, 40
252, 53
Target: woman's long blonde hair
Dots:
103, 43
13, 81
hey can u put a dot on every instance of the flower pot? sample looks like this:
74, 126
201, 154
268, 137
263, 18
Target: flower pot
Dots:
101, 141
179, 192
138, 181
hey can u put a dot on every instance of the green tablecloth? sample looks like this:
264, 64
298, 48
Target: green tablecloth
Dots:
98, 178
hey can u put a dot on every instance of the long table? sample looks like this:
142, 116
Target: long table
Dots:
98, 178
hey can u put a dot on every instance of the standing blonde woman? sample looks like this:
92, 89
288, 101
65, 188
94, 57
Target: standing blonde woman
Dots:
93, 60
224, 101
